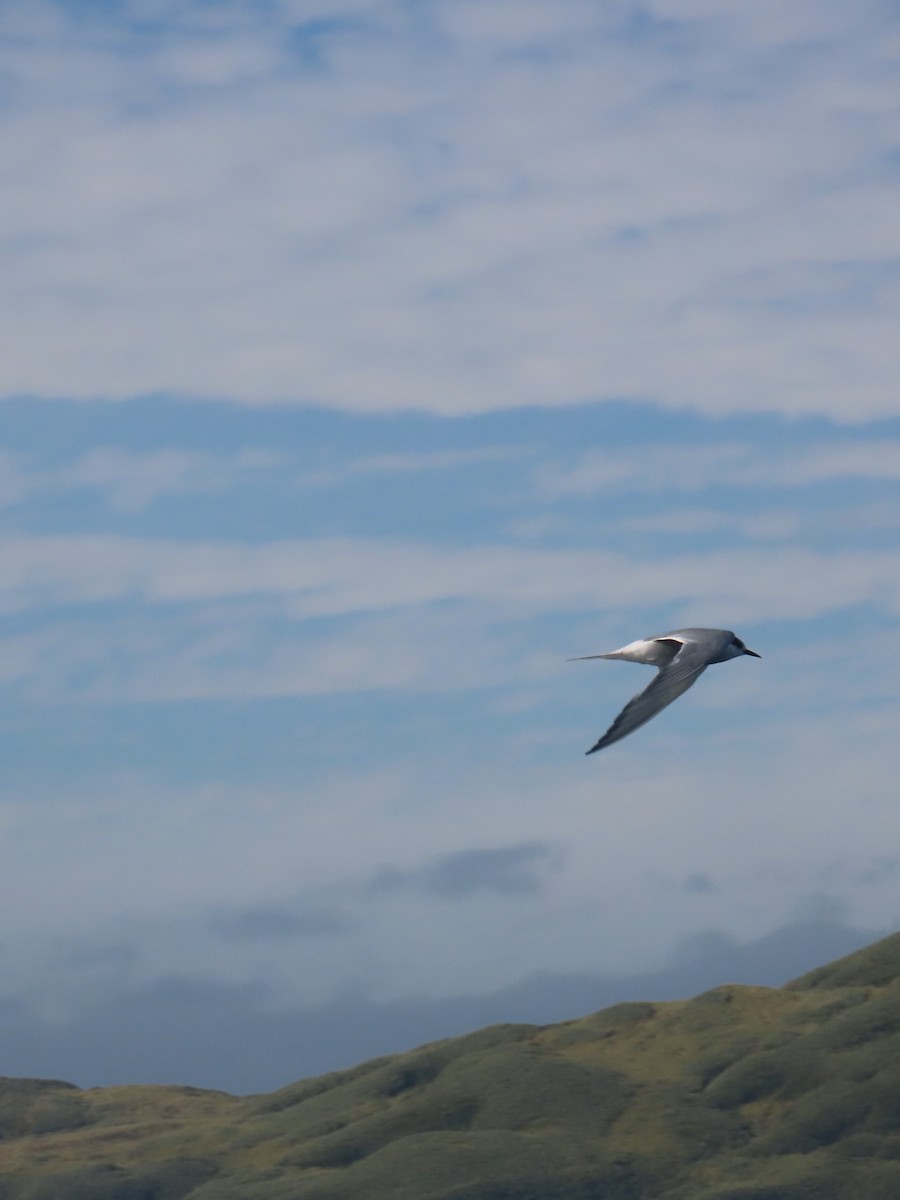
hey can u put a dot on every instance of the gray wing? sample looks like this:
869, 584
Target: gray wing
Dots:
670, 681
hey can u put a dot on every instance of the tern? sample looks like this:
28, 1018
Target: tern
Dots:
681, 658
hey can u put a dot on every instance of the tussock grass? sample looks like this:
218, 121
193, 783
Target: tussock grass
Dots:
739, 1094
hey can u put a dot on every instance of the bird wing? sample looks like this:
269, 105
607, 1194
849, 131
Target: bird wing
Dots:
670, 681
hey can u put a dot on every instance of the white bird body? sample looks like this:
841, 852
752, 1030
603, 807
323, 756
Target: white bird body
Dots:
681, 658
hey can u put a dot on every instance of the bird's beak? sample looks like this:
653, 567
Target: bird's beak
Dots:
752, 653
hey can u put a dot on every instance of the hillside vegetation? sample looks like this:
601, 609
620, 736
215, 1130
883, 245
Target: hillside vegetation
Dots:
742, 1093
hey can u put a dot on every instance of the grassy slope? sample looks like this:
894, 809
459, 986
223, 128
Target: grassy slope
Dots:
740, 1094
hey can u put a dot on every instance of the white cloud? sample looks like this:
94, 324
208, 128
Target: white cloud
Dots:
170, 620
772, 525
502, 25
132, 480
530, 203
234, 654
409, 462
665, 467
333, 576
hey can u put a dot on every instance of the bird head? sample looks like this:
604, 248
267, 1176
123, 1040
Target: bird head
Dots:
737, 648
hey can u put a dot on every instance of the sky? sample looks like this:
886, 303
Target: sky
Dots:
361, 363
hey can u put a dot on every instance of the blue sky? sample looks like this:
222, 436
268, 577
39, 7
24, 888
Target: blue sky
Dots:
362, 363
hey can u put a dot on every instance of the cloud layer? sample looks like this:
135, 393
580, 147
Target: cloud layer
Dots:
454, 207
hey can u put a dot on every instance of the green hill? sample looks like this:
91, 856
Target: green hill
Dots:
743, 1093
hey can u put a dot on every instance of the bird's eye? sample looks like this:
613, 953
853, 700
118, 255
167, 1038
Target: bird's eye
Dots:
737, 642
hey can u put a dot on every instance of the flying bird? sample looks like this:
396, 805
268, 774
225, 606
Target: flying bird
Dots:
681, 658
